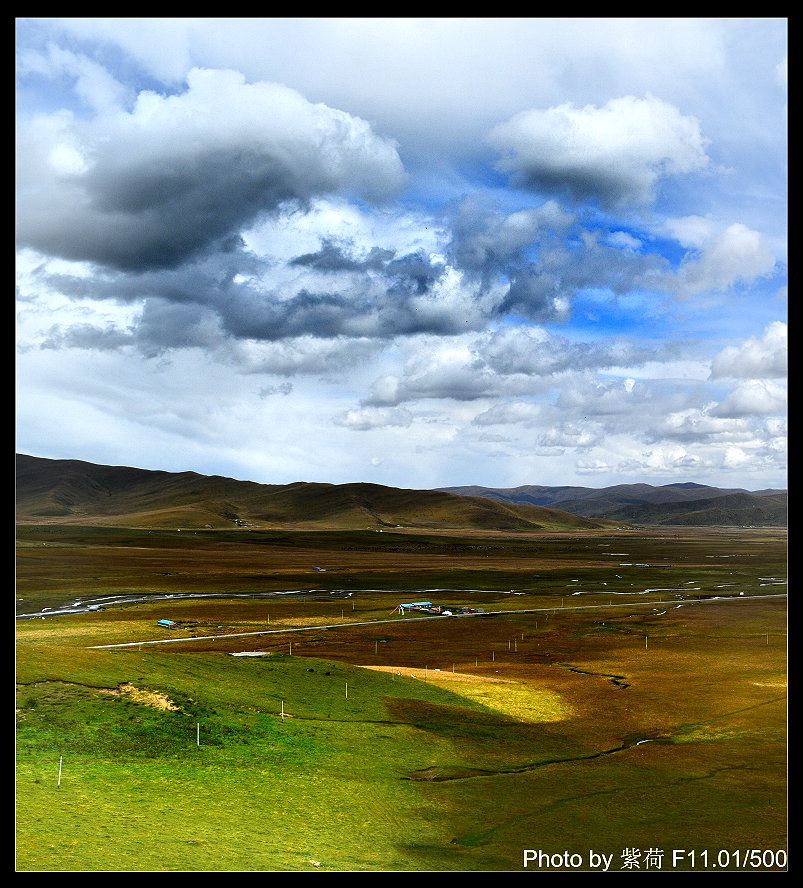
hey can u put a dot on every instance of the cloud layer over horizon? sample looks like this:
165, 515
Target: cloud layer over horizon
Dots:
405, 264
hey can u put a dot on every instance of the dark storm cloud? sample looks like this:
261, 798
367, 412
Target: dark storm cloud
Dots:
210, 300
486, 242
162, 213
186, 173
206, 282
543, 258
333, 257
536, 294
374, 292
413, 273
544, 290
161, 196
332, 314
160, 326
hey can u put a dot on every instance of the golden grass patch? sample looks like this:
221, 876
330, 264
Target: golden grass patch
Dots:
511, 698
148, 698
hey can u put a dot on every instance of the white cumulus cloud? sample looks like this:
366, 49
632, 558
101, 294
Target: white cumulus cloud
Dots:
763, 357
616, 153
366, 418
724, 258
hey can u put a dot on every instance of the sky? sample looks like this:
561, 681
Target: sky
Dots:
416, 252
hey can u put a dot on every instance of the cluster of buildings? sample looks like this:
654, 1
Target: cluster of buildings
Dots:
427, 607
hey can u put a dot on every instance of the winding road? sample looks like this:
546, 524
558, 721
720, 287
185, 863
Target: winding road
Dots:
352, 624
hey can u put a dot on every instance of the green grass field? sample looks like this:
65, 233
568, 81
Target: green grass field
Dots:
261, 791
655, 735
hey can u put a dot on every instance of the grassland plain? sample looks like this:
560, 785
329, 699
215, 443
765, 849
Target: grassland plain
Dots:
648, 727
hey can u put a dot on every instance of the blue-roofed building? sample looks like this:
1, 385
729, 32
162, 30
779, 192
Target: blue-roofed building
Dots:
413, 605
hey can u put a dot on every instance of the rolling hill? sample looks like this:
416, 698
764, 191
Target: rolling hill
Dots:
643, 504
77, 492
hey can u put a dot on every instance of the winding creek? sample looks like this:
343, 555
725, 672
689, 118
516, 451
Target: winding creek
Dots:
88, 605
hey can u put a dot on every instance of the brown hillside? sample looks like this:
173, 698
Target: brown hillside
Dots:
76, 492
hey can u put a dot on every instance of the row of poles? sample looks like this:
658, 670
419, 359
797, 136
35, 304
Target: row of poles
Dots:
514, 642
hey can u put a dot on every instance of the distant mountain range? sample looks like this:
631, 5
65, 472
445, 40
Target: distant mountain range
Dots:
643, 504
76, 492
